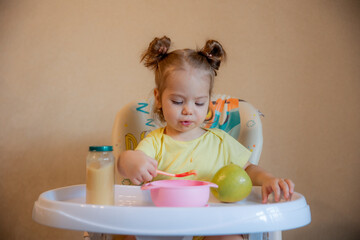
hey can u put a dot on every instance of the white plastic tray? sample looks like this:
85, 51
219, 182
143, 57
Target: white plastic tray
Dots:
135, 214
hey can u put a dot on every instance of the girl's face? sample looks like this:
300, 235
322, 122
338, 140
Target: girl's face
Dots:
185, 102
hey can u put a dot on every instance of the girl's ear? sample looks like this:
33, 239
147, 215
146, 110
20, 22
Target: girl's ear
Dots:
157, 98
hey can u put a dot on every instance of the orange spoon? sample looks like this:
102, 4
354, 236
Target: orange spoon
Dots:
185, 174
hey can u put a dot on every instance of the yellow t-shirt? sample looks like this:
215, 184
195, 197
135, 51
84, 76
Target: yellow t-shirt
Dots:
206, 154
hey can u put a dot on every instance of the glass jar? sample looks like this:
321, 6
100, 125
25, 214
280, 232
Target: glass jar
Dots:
100, 175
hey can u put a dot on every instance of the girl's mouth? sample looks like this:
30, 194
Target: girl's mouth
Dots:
185, 123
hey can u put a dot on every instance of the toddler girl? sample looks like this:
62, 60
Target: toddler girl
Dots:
184, 82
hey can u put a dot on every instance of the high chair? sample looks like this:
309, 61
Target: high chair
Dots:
134, 212
237, 117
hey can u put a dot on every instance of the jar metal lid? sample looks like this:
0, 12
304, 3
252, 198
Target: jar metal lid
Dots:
101, 148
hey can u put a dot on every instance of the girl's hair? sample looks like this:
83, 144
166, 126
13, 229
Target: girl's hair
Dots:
157, 58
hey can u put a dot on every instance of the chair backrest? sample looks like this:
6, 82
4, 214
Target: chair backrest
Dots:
235, 116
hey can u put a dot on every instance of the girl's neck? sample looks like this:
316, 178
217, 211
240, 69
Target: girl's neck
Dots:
185, 136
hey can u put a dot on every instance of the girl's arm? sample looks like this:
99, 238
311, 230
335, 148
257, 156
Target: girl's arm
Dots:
136, 166
269, 183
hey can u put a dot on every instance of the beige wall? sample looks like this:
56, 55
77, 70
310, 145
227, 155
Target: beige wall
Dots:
67, 67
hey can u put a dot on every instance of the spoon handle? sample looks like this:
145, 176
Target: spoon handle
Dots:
185, 174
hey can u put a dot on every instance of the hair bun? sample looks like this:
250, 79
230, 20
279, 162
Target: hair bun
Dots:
214, 52
156, 51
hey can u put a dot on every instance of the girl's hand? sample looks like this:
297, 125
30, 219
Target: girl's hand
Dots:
269, 183
137, 166
277, 185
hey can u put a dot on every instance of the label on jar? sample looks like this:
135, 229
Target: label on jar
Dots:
100, 183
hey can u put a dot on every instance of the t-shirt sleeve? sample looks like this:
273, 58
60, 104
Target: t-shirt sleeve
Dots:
237, 153
148, 145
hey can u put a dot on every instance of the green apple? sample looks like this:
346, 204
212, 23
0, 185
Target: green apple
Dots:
234, 184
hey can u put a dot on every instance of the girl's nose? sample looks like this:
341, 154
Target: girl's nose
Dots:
187, 110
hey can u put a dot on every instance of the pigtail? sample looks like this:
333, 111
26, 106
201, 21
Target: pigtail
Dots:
214, 53
156, 51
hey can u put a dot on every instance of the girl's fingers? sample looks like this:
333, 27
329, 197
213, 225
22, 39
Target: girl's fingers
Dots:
136, 181
264, 195
147, 177
152, 167
277, 192
291, 185
152, 170
285, 188
153, 162
278, 186
266, 191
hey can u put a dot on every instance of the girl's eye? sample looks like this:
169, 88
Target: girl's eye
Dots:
176, 102
200, 104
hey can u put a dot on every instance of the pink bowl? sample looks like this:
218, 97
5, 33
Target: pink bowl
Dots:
179, 193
